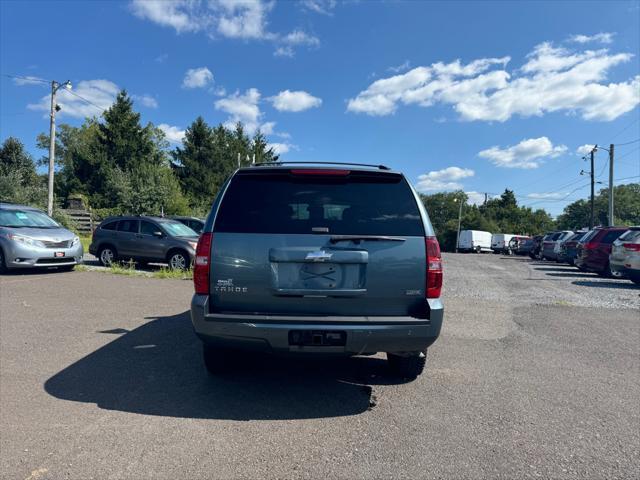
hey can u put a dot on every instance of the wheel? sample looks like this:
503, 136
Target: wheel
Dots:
408, 365
178, 260
107, 255
478, 249
216, 360
3, 266
635, 280
606, 273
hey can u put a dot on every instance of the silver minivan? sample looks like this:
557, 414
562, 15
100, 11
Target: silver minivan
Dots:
319, 259
31, 239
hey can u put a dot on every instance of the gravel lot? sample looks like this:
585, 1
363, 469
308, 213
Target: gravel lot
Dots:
537, 374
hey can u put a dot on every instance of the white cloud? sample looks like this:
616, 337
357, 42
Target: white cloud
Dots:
324, 7
445, 179
161, 58
197, 78
29, 80
546, 196
173, 134
404, 66
280, 148
101, 94
244, 19
182, 15
526, 154
598, 37
245, 108
475, 198
584, 149
235, 19
551, 80
145, 100
297, 101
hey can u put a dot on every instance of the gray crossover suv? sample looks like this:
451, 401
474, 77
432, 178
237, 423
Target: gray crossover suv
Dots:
318, 259
145, 239
31, 239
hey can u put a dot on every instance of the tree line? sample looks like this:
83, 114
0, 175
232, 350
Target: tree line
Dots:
116, 165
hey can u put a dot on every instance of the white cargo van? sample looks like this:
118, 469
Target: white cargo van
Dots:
474, 241
500, 242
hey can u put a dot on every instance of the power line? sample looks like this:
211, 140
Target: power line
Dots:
85, 100
29, 79
627, 143
625, 129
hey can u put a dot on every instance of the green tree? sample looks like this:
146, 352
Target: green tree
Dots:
626, 208
19, 181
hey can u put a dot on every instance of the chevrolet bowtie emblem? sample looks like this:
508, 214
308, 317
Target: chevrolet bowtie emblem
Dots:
319, 256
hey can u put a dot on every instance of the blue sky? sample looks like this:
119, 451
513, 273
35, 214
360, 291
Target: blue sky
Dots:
472, 95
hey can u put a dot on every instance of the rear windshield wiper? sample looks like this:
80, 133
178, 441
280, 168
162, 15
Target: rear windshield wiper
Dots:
358, 238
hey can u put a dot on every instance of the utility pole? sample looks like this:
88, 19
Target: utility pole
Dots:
611, 185
52, 139
459, 219
593, 151
52, 145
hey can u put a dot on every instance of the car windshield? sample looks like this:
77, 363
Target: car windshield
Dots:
26, 219
177, 229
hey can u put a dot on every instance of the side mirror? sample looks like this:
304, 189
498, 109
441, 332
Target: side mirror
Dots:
158, 234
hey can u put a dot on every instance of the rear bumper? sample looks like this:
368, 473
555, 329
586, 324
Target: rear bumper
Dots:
270, 333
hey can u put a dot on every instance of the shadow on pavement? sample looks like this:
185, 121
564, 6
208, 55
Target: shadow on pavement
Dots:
569, 274
157, 369
566, 269
622, 284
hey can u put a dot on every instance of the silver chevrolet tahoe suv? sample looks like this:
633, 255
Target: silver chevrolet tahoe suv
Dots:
318, 259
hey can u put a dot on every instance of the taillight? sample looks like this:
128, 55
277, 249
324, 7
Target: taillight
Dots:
590, 245
434, 268
202, 264
320, 171
634, 247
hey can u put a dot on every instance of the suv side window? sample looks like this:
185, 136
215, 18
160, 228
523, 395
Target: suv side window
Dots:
130, 226
147, 228
110, 226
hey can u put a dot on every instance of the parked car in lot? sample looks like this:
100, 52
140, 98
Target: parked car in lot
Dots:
534, 246
625, 255
144, 239
594, 250
31, 239
194, 223
551, 246
569, 248
500, 242
318, 259
474, 241
517, 245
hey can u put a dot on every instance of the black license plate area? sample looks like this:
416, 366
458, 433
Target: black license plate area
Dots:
318, 338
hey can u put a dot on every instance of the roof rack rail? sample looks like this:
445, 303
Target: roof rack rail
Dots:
262, 164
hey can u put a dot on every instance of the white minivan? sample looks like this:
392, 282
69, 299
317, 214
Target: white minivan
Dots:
474, 241
500, 242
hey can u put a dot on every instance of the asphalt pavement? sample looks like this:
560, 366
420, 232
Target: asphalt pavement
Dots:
536, 375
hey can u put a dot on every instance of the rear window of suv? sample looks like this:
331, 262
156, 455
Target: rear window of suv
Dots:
611, 236
361, 203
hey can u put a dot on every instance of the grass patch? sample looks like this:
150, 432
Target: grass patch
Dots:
128, 268
86, 241
165, 272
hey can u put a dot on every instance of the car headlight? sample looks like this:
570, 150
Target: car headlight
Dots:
32, 242
76, 240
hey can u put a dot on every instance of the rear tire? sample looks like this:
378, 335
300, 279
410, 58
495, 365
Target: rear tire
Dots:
216, 360
178, 260
407, 366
